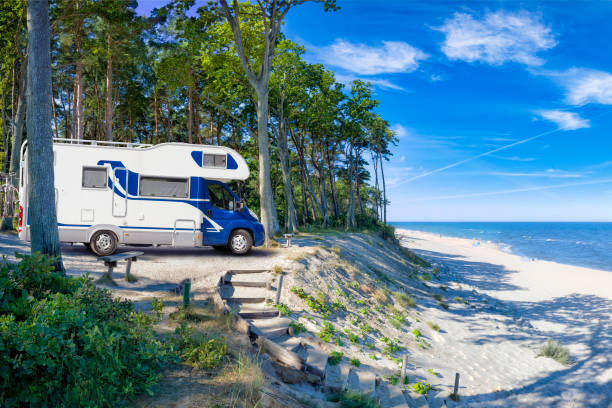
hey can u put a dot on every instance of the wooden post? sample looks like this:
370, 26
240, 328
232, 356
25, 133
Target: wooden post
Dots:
186, 290
279, 288
455, 395
404, 366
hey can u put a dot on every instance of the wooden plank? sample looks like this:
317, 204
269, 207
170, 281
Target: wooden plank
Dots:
246, 284
241, 324
333, 381
367, 380
316, 362
244, 300
396, 397
259, 314
269, 333
345, 372
280, 353
241, 271
416, 400
121, 256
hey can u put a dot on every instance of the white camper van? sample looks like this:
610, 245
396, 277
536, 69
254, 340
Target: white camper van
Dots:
111, 193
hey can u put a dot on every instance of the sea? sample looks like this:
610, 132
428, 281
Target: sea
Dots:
587, 244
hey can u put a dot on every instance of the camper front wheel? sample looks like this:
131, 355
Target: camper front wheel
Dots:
240, 242
103, 243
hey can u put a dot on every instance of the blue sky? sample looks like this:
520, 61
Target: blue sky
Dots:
503, 109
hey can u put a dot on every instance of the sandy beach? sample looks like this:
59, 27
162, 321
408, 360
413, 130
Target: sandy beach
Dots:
570, 304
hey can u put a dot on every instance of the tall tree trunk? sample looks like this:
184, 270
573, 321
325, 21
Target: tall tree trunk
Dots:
155, 107
350, 212
376, 190
170, 136
320, 168
54, 112
109, 87
382, 172
332, 182
5, 140
19, 121
266, 196
79, 125
283, 151
189, 112
42, 214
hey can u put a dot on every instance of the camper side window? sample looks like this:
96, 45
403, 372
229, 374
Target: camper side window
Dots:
220, 198
214, 160
94, 177
164, 187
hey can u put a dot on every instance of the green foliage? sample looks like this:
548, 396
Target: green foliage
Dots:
443, 305
64, 341
365, 329
335, 357
297, 327
438, 297
353, 337
314, 304
416, 333
283, 309
432, 372
555, 350
391, 346
353, 399
414, 258
197, 349
355, 362
422, 388
327, 332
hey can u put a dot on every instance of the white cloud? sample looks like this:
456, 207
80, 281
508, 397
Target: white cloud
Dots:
586, 86
399, 130
551, 173
391, 57
381, 83
497, 38
564, 120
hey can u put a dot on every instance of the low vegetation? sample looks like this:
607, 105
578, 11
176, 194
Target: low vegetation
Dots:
555, 350
422, 388
64, 341
353, 399
198, 349
433, 326
335, 357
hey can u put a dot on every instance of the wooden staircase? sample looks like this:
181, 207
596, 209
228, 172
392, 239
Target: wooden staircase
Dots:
250, 297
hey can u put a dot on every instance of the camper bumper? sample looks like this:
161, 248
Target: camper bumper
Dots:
259, 235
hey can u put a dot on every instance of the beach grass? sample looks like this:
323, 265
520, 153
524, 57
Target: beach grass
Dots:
555, 350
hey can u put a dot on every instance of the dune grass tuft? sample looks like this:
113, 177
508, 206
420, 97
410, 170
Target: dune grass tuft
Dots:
433, 326
555, 350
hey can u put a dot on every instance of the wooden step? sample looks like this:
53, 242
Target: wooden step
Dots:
244, 300
416, 400
367, 380
228, 292
316, 361
246, 284
345, 373
259, 314
396, 397
245, 271
271, 328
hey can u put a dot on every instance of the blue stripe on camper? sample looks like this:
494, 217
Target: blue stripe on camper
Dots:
197, 157
127, 227
231, 163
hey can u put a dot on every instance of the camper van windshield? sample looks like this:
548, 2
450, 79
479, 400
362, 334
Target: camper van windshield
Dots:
220, 198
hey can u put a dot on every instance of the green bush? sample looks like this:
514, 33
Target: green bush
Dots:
335, 357
353, 399
197, 349
63, 341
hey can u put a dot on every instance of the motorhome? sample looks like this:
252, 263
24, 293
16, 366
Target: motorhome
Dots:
110, 193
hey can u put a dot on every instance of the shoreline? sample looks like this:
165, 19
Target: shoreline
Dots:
534, 279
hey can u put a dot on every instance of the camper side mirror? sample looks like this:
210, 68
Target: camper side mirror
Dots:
239, 206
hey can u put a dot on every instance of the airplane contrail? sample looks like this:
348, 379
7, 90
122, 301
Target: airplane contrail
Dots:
469, 159
517, 190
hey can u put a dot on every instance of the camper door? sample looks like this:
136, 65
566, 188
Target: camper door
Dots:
120, 197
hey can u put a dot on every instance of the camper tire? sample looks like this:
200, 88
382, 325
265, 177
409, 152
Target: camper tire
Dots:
240, 242
103, 243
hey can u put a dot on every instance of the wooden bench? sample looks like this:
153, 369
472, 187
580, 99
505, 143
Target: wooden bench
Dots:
111, 262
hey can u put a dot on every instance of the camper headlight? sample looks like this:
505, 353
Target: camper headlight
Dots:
253, 215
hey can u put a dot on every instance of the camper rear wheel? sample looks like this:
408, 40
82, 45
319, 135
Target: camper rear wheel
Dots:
240, 242
103, 243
